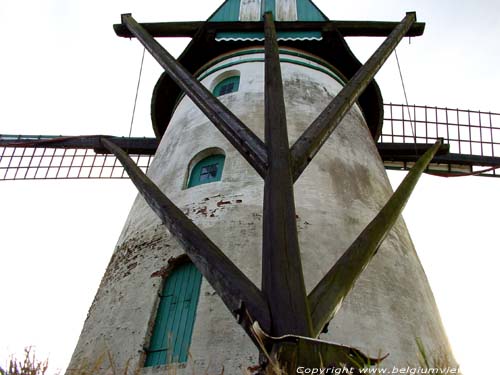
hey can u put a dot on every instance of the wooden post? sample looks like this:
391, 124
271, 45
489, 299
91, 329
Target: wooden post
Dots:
282, 276
309, 143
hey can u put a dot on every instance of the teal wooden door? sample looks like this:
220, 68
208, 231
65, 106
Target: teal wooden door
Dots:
174, 323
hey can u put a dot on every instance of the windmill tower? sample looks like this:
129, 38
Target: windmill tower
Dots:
153, 307
338, 194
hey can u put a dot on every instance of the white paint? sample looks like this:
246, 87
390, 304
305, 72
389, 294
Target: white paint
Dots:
338, 194
54, 257
250, 10
286, 10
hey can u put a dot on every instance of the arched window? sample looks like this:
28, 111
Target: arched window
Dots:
207, 170
175, 317
227, 86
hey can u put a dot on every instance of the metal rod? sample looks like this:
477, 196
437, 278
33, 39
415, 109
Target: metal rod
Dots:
310, 142
50, 163
327, 296
19, 164
282, 275
40, 163
234, 288
470, 134
240, 136
29, 164
61, 162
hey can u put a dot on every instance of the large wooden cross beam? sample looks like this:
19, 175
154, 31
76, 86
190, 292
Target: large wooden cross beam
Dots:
346, 28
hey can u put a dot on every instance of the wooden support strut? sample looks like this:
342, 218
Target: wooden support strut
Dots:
238, 293
282, 275
311, 141
326, 298
240, 136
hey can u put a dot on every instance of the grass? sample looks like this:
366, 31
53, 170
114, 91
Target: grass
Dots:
438, 360
105, 364
29, 365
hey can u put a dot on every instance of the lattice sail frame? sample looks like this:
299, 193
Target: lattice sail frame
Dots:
473, 138
25, 157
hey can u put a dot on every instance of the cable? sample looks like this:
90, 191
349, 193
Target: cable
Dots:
406, 100
137, 93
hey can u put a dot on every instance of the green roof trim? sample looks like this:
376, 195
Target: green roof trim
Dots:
269, 6
227, 12
308, 11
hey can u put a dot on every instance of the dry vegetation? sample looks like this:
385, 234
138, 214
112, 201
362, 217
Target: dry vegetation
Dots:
29, 365
105, 364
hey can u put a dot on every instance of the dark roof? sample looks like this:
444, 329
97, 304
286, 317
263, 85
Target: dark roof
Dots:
224, 32
203, 47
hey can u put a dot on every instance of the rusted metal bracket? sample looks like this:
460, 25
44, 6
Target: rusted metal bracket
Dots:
224, 276
310, 142
282, 275
241, 137
326, 298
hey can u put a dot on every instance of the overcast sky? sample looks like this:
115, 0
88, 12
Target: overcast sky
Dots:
63, 71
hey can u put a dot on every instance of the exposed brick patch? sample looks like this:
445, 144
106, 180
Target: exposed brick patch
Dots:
202, 211
172, 263
129, 255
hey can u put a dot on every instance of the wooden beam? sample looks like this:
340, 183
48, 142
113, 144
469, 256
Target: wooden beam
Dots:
327, 297
375, 28
409, 152
311, 141
240, 136
132, 145
238, 293
388, 151
162, 29
282, 277
346, 28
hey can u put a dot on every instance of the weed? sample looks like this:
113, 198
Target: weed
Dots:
29, 365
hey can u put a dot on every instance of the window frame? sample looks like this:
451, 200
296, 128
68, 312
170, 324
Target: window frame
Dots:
233, 80
195, 173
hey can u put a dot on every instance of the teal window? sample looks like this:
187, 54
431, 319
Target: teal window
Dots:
175, 317
227, 86
207, 170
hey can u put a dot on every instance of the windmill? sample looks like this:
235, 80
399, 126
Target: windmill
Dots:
66, 140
